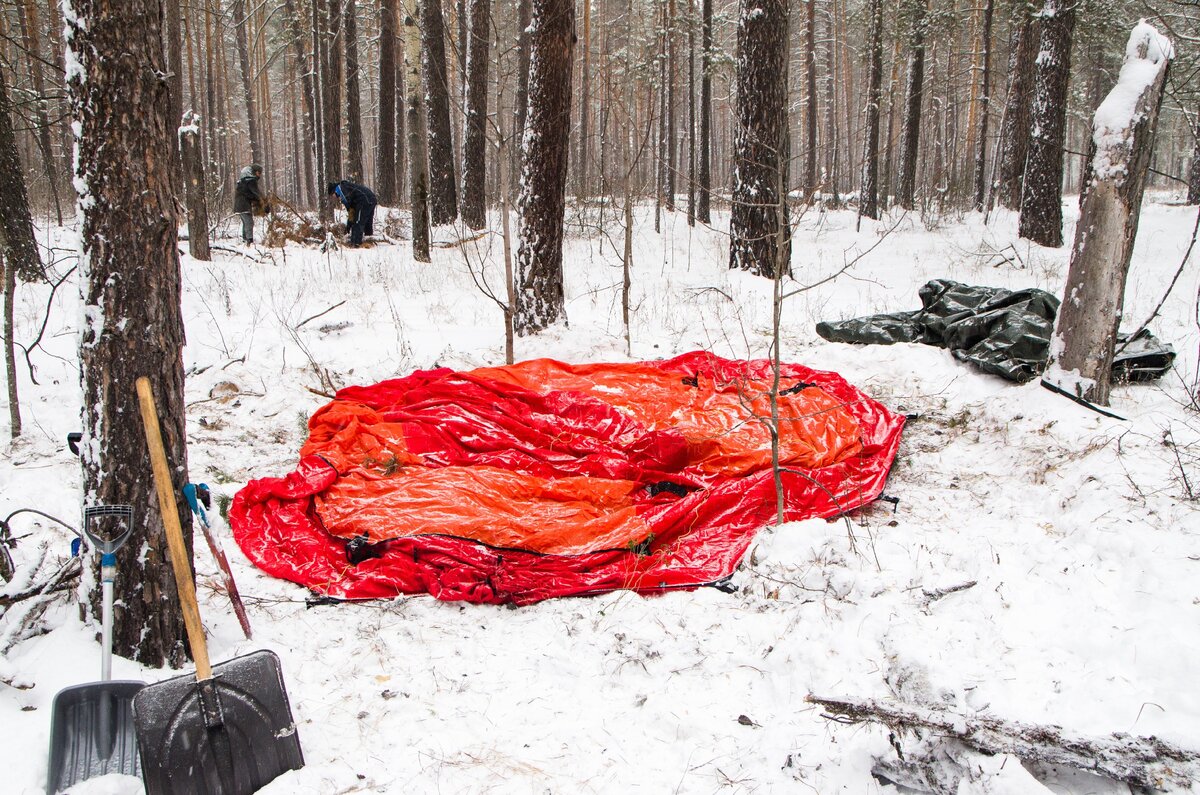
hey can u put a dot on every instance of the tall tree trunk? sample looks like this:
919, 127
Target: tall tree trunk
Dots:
238, 12
130, 273
193, 176
985, 100
335, 166
418, 183
1014, 132
540, 301
475, 137
869, 200
691, 40
1193, 191
174, 48
585, 88
810, 83
33, 45
758, 230
1081, 352
672, 67
309, 119
913, 94
521, 109
443, 201
322, 101
1041, 201
354, 135
704, 203
385, 144
9, 274
17, 243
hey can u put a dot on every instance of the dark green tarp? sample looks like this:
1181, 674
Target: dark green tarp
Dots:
1003, 332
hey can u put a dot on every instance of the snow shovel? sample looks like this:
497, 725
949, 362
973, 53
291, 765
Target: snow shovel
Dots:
198, 499
228, 730
91, 726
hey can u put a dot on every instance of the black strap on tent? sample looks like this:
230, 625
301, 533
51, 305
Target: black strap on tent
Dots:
1060, 391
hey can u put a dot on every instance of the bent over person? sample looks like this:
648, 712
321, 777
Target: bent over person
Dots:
248, 199
360, 205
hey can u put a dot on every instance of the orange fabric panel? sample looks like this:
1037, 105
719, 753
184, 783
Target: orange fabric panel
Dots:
562, 516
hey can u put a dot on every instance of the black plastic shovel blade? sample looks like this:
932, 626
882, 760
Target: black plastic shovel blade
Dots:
229, 735
92, 733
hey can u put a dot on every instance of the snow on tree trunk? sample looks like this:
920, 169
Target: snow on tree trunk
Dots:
913, 94
1041, 198
475, 139
1014, 132
1193, 193
443, 199
869, 201
1081, 350
193, 176
540, 301
132, 324
759, 138
17, 244
418, 174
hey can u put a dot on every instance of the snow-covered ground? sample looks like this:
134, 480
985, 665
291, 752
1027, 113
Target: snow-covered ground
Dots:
1082, 533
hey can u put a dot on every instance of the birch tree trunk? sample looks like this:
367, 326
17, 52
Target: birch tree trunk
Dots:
131, 285
1081, 350
540, 300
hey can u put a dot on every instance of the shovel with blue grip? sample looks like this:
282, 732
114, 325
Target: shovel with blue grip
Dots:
198, 499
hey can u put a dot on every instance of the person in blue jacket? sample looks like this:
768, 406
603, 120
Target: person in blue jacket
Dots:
360, 205
248, 199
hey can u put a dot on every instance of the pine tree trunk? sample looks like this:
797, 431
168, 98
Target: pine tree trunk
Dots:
914, 92
704, 201
757, 239
443, 200
385, 145
334, 164
32, 41
238, 11
321, 102
540, 301
869, 200
585, 88
418, 184
193, 175
354, 135
1081, 351
9, 274
985, 100
19, 247
672, 67
810, 83
1014, 132
475, 137
691, 41
1193, 192
1041, 200
174, 46
309, 117
131, 274
521, 109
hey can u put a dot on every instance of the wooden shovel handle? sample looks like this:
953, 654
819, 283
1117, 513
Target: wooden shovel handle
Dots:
170, 516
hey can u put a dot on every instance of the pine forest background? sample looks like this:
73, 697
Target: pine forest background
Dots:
315, 91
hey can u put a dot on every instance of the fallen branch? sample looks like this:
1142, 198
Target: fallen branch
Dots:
928, 597
1141, 761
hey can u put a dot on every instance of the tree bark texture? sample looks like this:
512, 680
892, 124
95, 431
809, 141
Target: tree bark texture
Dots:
443, 199
17, 243
1081, 350
238, 12
811, 109
524, 17
869, 200
418, 184
540, 301
1041, 198
704, 200
354, 134
193, 176
760, 136
985, 99
913, 94
475, 137
1193, 192
1014, 132
385, 148
133, 324
9, 274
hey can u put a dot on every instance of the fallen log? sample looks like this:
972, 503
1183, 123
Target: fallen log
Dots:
1140, 761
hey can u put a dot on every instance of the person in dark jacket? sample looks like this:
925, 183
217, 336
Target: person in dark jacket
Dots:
248, 199
360, 205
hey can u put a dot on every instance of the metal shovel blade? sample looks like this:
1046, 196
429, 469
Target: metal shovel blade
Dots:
228, 735
92, 733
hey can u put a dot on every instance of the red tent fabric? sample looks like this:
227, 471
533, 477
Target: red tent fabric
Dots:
546, 479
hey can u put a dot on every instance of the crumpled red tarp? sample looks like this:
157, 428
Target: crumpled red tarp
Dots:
545, 479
